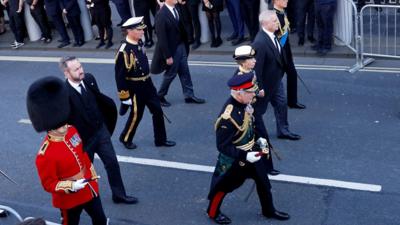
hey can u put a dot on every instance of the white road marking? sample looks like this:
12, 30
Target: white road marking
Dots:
24, 121
210, 169
281, 177
202, 63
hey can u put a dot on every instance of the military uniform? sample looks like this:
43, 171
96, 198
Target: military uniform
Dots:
236, 138
64, 168
134, 82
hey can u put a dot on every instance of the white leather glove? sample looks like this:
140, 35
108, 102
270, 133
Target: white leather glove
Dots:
252, 157
78, 185
127, 102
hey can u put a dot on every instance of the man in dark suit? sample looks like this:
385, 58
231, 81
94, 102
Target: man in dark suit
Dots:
73, 13
94, 115
270, 67
53, 10
171, 53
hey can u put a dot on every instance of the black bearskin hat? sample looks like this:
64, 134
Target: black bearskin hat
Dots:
48, 104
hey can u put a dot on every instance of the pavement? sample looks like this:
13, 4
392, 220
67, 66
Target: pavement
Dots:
225, 49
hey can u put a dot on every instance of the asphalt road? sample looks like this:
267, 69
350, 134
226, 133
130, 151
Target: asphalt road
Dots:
350, 132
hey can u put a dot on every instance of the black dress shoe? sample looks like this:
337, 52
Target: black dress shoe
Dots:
290, 136
322, 51
63, 44
238, 41
128, 145
297, 106
274, 172
165, 143
126, 200
222, 219
277, 215
232, 37
316, 47
101, 44
109, 44
196, 45
301, 41
149, 44
164, 102
218, 42
311, 39
195, 100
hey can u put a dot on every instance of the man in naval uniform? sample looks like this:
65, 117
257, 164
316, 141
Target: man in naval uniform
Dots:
239, 156
135, 87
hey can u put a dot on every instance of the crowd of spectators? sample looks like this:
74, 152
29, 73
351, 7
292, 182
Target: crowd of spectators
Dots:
303, 17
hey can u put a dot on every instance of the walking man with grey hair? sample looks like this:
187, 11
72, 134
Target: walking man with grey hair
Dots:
270, 68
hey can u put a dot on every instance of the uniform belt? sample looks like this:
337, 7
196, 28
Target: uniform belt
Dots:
246, 147
144, 78
77, 176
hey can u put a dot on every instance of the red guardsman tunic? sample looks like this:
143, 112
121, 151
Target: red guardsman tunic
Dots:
60, 161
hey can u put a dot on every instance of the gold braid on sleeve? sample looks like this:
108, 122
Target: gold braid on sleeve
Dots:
129, 62
65, 185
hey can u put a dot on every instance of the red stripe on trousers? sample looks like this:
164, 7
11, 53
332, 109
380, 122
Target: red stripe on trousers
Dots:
215, 203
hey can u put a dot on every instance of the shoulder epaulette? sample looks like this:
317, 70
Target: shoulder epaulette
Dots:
227, 113
44, 147
122, 47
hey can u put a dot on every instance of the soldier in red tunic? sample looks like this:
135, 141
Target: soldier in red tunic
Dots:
64, 168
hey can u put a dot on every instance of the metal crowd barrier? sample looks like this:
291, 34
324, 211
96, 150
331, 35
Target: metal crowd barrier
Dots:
371, 32
19, 217
380, 35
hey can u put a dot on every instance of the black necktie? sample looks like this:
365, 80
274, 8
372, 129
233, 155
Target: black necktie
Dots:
176, 14
277, 45
84, 93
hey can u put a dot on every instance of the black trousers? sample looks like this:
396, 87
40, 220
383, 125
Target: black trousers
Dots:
250, 10
123, 9
180, 67
305, 11
101, 144
324, 16
194, 12
277, 98
291, 75
234, 178
144, 94
60, 26
17, 25
76, 27
142, 8
40, 17
93, 208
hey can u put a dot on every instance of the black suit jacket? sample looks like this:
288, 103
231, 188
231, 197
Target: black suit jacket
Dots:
78, 116
170, 34
71, 6
53, 7
270, 65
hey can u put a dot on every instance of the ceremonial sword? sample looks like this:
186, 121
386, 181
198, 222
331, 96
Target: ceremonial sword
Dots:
8, 178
